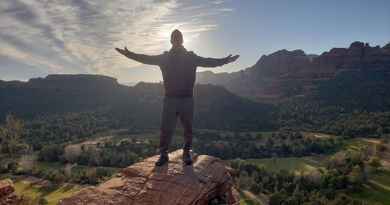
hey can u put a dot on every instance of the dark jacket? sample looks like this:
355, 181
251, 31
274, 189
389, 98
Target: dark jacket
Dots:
178, 67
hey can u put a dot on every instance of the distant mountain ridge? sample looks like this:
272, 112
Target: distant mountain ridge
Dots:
286, 73
341, 80
139, 105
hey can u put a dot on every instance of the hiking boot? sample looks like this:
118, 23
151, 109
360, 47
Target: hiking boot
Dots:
187, 157
162, 160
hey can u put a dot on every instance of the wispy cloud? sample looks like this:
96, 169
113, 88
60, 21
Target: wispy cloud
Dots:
78, 36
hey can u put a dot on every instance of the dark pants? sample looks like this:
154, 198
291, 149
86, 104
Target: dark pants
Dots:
173, 108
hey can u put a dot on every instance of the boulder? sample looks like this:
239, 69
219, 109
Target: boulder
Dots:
7, 193
145, 184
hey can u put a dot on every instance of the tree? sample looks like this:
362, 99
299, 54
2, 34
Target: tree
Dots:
276, 198
43, 201
245, 181
375, 163
10, 136
91, 176
51, 153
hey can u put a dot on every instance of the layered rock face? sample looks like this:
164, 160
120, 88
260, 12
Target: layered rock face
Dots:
358, 56
144, 184
7, 193
84, 81
288, 73
282, 63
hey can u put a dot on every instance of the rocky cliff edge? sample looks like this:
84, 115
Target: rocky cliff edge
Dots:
206, 180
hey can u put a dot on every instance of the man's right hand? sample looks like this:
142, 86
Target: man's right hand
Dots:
231, 58
124, 51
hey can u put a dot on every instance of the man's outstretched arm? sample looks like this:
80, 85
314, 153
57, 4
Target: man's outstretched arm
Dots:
214, 62
145, 59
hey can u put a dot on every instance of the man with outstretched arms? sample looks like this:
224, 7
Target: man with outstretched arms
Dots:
178, 67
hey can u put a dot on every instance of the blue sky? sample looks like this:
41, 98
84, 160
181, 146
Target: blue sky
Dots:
39, 37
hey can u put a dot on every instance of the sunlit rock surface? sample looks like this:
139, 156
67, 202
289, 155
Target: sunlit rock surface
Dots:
145, 184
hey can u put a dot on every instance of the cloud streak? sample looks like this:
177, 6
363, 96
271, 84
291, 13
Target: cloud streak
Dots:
78, 36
